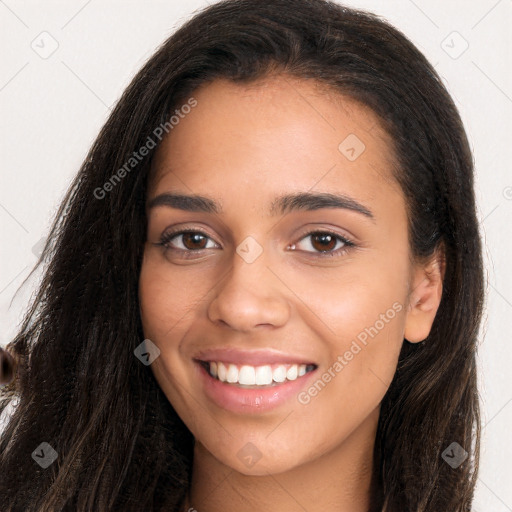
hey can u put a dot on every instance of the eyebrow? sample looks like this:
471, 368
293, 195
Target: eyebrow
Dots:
279, 206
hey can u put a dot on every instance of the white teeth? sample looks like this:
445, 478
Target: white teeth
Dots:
248, 375
221, 372
232, 375
292, 372
279, 374
263, 375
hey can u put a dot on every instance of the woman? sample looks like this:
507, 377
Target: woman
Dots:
264, 286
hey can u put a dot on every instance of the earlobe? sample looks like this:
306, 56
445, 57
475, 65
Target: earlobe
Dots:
424, 297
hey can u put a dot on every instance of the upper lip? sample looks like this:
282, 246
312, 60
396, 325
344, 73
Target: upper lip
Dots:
250, 357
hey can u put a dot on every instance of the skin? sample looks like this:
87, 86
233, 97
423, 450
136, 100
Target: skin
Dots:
243, 145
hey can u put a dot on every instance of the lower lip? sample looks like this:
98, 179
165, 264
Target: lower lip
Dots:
250, 401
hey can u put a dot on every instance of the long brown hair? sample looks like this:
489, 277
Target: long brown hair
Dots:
119, 443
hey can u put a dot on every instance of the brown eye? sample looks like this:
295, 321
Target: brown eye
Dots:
193, 240
324, 243
187, 241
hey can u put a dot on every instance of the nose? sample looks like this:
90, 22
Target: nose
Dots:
249, 296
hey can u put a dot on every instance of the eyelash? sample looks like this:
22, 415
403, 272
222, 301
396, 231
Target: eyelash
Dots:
348, 244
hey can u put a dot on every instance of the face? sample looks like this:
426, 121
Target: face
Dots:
271, 286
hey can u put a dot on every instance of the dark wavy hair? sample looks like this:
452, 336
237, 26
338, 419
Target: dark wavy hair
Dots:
120, 445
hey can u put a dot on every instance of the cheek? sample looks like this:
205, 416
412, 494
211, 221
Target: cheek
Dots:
340, 302
166, 313
358, 316
168, 301
351, 386
170, 304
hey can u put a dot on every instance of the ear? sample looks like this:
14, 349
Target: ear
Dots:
425, 296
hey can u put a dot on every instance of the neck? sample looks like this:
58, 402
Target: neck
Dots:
340, 479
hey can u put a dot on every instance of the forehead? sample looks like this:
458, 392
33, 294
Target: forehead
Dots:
274, 135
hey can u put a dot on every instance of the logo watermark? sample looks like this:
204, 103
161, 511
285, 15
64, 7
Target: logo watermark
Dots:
454, 455
44, 455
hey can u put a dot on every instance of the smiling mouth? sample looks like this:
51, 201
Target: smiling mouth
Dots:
255, 377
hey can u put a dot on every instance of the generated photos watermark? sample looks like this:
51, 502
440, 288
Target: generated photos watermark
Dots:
361, 341
137, 156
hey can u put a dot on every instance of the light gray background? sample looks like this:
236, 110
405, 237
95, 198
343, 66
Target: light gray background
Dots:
53, 106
